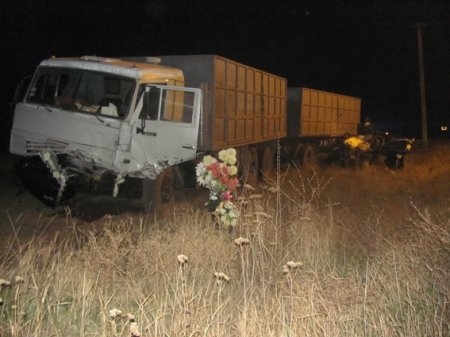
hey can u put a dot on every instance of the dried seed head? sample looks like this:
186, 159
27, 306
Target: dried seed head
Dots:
294, 265
115, 313
1, 301
19, 279
249, 187
240, 242
134, 331
255, 196
286, 269
221, 277
4, 283
272, 189
14, 307
263, 214
182, 259
257, 222
131, 317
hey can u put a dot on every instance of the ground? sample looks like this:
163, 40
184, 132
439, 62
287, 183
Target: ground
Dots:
372, 243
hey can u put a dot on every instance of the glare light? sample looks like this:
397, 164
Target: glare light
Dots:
444, 128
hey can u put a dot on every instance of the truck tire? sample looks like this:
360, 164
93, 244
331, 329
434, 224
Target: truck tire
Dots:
267, 161
158, 192
350, 158
253, 167
308, 158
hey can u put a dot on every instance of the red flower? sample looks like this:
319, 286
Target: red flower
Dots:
224, 181
232, 184
215, 170
224, 170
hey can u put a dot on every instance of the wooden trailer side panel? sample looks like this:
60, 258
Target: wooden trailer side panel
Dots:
249, 107
315, 113
241, 105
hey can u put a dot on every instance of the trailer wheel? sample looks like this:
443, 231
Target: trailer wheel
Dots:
253, 167
267, 162
308, 158
297, 156
158, 192
248, 165
351, 158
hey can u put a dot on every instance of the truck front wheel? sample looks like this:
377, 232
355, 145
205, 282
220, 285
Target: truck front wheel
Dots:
158, 192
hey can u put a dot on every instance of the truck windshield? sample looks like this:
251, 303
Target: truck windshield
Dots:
83, 91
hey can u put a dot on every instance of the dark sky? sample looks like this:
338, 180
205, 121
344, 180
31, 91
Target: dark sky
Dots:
362, 48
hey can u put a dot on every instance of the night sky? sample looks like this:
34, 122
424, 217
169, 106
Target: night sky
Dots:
362, 48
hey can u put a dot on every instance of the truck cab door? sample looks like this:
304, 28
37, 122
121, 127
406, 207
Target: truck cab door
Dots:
165, 127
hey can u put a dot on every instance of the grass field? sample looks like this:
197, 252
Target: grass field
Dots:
340, 253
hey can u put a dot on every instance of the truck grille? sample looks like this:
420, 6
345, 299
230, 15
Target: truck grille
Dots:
49, 145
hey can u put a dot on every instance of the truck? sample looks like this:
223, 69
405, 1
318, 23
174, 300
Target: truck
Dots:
136, 126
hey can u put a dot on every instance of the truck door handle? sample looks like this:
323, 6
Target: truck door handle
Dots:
189, 147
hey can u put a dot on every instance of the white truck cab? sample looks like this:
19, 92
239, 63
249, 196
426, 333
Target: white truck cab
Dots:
90, 115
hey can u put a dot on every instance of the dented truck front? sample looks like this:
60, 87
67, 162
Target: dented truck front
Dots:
89, 117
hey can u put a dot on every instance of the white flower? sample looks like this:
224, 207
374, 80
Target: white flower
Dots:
208, 160
19, 279
228, 156
233, 170
200, 168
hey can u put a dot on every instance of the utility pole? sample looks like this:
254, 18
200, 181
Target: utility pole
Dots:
423, 102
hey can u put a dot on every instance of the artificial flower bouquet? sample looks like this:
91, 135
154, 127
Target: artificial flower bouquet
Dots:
220, 177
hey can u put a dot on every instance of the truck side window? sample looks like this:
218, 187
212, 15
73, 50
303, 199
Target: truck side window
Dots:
168, 105
178, 106
42, 90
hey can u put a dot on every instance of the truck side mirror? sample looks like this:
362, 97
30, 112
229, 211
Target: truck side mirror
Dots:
150, 106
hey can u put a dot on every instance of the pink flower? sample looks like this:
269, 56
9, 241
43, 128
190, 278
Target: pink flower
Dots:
227, 196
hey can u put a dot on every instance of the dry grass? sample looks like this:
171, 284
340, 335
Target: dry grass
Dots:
374, 264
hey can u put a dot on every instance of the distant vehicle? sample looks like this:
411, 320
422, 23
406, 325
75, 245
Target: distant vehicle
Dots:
135, 127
